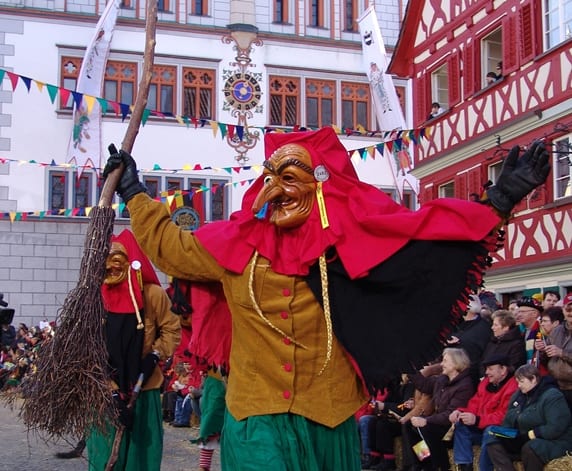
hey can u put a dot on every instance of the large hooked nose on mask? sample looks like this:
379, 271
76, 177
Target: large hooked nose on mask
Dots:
289, 187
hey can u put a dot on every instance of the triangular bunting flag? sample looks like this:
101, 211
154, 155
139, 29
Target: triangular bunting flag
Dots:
27, 81
13, 79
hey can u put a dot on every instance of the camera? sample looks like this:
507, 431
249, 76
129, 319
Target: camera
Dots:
6, 314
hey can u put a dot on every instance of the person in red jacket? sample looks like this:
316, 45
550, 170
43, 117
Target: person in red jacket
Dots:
487, 407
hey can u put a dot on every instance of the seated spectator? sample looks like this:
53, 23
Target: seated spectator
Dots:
538, 415
384, 426
450, 390
556, 351
506, 341
364, 417
436, 110
487, 407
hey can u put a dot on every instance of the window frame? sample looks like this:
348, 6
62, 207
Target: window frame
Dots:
316, 13
198, 10
355, 100
351, 14
280, 13
321, 100
161, 84
70, 194
284, 94
563, 24
440, 91
562, 159
490, 44
199, 88
447, 189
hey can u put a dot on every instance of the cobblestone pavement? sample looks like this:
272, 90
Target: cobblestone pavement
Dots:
23, 451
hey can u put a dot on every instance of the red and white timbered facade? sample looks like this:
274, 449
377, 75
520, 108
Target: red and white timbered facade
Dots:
501, 72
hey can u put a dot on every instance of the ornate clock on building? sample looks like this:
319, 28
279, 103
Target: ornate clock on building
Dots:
242, 91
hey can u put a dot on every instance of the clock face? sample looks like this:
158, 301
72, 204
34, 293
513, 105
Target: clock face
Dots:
242, 91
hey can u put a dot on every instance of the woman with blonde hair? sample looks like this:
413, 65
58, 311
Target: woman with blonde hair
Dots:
450, 390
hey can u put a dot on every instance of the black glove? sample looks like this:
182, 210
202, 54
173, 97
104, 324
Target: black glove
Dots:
519, 177
124, 413
148, 365
129, 184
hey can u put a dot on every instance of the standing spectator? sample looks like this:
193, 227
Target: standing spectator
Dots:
183, 407
472, 335
558, 350
487, 407
551, 318
513, 306
140, 330
499, 70
550, 299
538, 414
506, 341
449, 390
527, 315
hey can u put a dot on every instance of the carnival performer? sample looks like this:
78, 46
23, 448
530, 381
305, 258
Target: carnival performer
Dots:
308, 266
140, 330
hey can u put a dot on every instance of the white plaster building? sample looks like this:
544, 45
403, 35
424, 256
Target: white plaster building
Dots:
306, 58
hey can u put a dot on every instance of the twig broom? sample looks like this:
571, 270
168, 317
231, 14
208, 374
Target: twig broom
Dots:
69, 393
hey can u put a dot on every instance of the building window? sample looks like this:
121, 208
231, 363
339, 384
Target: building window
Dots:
199, 7
198, 93
68, 192
355, 105
281, 11
284, 100
495, 171
69, 76
440, 86
320, 99
351, 12
218, 200
162, 89
491, 56
562, 166
120, 82
316, 13
557, 22
447, 190
163, 5
126, 4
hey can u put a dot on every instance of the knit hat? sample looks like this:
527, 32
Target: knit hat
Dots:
496, 360
529, 301
567, 299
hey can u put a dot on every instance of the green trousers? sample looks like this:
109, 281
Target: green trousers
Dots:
288, 442
141, 448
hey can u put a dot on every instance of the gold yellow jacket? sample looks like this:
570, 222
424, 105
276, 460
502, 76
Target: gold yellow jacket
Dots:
269, 373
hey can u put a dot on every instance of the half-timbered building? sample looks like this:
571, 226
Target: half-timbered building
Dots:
448, 48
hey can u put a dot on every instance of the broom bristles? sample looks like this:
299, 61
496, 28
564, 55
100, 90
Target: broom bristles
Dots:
69, 393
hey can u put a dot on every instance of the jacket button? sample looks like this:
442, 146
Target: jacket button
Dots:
286, 292
287, 367
284, 315
287, 341
286, 394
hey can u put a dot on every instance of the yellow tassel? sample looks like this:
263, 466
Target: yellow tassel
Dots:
322, 206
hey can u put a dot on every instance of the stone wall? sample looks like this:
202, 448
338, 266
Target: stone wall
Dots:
39, 264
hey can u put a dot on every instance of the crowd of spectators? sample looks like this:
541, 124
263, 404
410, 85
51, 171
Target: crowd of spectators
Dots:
519, 408
19, 351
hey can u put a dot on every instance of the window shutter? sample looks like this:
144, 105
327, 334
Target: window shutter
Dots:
454, 79
426, 194
527, 36
468, 70
421, 106
510, 45
474, 181
461, 186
